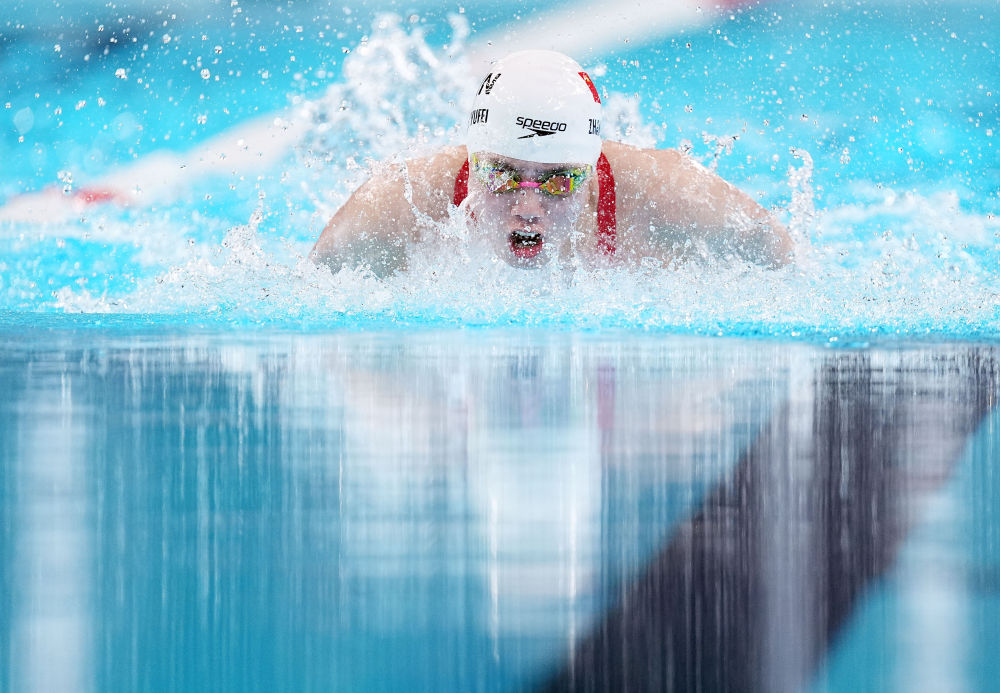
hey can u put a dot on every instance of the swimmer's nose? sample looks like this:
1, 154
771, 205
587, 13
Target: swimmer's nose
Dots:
528, 204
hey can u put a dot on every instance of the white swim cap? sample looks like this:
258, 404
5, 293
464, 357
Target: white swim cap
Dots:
538, 106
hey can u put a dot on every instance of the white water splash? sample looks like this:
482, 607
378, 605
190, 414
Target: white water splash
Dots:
398, 97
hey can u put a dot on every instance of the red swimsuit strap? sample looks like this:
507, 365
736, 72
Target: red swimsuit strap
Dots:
607, 226
461, 184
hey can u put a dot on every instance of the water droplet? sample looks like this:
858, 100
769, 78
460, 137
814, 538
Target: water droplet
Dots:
205, 74
24, 120
120, 73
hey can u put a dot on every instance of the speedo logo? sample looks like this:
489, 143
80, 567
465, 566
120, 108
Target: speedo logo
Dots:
539, 128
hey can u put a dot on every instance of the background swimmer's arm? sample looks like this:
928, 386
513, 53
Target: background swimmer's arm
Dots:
670, 191
389, 211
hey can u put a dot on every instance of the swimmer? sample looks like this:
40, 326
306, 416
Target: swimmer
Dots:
537, 180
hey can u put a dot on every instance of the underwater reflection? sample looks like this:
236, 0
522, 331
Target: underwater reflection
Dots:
750, 592
48, 557
458, 511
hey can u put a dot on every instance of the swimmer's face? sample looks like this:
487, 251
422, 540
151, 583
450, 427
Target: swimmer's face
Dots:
524, 223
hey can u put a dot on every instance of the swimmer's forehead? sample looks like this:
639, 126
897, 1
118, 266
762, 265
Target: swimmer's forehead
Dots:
526, 166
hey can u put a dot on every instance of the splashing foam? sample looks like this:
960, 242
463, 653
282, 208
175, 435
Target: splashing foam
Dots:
887, 263
398, 98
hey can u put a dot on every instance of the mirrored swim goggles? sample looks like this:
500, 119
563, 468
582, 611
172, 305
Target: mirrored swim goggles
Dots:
500, 179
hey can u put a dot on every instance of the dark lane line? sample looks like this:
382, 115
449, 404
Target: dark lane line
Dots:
750, 593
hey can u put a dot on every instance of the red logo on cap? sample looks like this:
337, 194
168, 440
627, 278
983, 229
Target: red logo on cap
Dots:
590, 83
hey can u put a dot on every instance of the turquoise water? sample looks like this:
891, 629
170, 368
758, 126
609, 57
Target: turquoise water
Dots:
222, 468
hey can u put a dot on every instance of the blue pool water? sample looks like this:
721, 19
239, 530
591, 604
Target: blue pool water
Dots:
222, 468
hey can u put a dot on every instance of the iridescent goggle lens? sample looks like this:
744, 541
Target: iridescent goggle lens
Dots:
500, 179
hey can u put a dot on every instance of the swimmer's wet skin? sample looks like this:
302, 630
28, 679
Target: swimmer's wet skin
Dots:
538, 182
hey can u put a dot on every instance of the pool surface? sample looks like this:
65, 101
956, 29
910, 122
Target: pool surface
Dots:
225, 469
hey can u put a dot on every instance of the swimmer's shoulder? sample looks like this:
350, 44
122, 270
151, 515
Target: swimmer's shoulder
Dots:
631, 165
433, 179
645, 178
650, 189
639, 174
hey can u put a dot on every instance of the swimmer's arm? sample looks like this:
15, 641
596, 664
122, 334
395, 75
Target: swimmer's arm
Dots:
389, 211
691, 197
372, 228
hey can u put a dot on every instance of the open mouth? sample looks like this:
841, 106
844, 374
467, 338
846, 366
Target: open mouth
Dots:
525, 244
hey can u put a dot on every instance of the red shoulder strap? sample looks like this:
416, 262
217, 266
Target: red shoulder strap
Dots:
607, 226
461, 184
